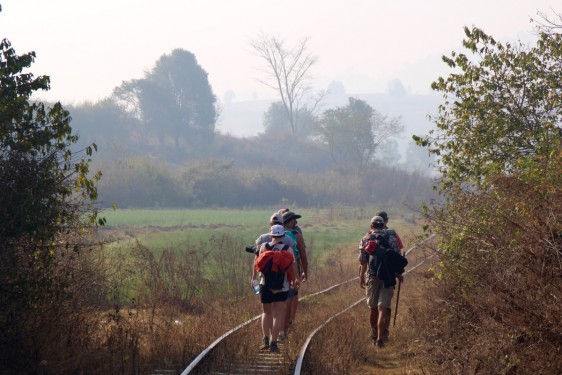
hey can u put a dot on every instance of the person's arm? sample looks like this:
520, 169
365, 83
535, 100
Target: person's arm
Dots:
258, 246
362, 270
296, 277
399, 241
261, 250
301, 246
254, 273
363, 261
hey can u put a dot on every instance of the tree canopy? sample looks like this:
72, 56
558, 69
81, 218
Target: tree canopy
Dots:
353, 133
501, 106
276, 122
35, 143
175, 101
288, 72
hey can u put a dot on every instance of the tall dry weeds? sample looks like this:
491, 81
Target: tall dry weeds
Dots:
137, 311
497, 306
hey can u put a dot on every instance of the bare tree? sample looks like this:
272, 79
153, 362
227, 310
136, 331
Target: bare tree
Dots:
287, 73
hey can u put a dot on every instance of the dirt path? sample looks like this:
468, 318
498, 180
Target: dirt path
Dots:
387, 361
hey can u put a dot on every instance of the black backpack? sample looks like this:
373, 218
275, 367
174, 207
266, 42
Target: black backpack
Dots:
386, 261
392, 240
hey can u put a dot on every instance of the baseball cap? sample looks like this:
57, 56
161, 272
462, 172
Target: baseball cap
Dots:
377, 219
276, 218
382, 214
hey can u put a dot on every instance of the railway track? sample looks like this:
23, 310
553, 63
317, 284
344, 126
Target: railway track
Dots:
235, 351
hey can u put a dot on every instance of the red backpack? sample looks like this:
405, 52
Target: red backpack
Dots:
274, 264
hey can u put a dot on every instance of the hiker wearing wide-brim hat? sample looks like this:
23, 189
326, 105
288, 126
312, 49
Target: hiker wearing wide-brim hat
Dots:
292, 230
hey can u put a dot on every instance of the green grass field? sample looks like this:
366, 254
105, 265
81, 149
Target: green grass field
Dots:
157, 229
217, 238
168, 228
170, 217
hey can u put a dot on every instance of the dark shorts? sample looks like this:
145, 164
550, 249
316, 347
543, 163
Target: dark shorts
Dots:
292, 293
267, 296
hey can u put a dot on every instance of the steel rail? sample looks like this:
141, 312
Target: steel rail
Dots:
208, 349
300, 358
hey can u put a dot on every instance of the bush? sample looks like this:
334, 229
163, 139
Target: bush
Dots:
500, 278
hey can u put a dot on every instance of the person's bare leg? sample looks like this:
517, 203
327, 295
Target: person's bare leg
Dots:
387, 323
290, 312
374, 320
287, 317
381, 322
294, 306
267, 319
278, 319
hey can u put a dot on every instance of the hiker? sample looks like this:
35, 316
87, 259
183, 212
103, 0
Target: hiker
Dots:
396, 245
284, 210
299, 250
276, 218
380, 266
278, 271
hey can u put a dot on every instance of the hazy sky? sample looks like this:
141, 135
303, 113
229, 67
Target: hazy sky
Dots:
90, 47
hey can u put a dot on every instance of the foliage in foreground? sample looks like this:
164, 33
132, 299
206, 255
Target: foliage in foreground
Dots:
500, 227
501, 268
46, 199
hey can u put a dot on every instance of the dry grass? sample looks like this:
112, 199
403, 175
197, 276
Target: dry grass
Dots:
344, 346
166, 310
496, 306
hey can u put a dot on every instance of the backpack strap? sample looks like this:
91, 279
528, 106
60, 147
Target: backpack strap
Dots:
276, 246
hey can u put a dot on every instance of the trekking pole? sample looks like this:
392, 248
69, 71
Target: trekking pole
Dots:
397, 298
396, 308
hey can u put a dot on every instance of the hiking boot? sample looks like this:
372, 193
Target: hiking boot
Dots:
282, 336
385, 335
273, 347
379, 344
265, 345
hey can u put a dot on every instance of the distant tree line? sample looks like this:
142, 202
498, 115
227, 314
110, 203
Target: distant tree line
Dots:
142, 182
159, 148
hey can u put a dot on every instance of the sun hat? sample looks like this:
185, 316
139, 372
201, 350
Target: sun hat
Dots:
287, 216
277, 231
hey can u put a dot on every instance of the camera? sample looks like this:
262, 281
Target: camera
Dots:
252, 249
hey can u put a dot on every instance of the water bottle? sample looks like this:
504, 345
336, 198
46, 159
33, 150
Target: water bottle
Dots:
256, 286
